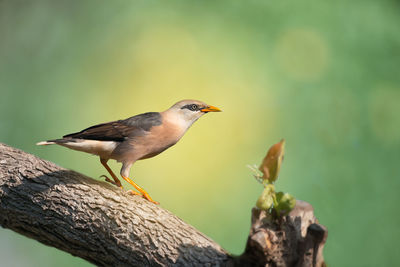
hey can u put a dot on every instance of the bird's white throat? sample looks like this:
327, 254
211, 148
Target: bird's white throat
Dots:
182, 118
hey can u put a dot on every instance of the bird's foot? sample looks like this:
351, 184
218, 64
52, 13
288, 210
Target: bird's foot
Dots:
133, 193
110, 181
146, 196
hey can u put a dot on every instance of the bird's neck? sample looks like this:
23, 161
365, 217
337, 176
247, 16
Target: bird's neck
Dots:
175, 120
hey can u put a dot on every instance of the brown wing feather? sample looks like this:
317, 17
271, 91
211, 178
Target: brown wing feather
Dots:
111, 131
121, 129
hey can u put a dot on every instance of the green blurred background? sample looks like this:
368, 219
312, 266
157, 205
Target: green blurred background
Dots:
323, 75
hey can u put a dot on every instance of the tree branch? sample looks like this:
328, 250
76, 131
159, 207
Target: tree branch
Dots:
109, 227
94, 220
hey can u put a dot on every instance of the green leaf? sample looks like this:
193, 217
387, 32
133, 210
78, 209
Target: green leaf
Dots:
266, 200
286, 203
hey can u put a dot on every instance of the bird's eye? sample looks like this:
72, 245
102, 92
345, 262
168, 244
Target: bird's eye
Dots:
193, 107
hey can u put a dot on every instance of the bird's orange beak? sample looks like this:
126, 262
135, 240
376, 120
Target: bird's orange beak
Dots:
210, 109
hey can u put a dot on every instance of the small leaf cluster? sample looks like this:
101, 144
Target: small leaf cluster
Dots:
277, 203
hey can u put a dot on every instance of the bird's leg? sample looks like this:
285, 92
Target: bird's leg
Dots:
141, 190
116, 181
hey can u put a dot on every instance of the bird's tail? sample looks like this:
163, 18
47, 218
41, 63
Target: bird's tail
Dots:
50, 142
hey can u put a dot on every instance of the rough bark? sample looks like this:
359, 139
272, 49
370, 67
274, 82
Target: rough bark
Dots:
94, 220
109, 227
294, 240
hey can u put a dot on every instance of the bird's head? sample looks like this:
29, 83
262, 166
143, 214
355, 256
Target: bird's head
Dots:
191, 110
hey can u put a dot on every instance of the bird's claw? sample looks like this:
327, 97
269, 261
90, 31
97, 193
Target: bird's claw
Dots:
133, 193
110, 181
145, 196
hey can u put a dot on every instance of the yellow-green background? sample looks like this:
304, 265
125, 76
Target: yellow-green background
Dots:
323, 75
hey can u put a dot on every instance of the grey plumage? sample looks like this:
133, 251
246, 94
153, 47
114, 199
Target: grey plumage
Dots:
121, 129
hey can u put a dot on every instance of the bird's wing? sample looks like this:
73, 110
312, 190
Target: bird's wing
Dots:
121, 129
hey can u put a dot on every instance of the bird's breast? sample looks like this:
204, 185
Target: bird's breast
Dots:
158, 139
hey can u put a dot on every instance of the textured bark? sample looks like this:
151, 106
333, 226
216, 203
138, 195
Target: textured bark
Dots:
94, 220
294, 240
109, 227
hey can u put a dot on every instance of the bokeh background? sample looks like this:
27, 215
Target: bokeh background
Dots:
323, 75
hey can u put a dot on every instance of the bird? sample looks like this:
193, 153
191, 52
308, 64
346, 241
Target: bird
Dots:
136, 138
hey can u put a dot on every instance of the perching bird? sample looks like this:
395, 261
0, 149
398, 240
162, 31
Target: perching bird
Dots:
139, 137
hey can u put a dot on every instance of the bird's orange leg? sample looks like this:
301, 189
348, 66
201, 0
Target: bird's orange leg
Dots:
141, 190
116, 182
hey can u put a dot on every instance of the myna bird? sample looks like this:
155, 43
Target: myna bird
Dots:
139, 137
